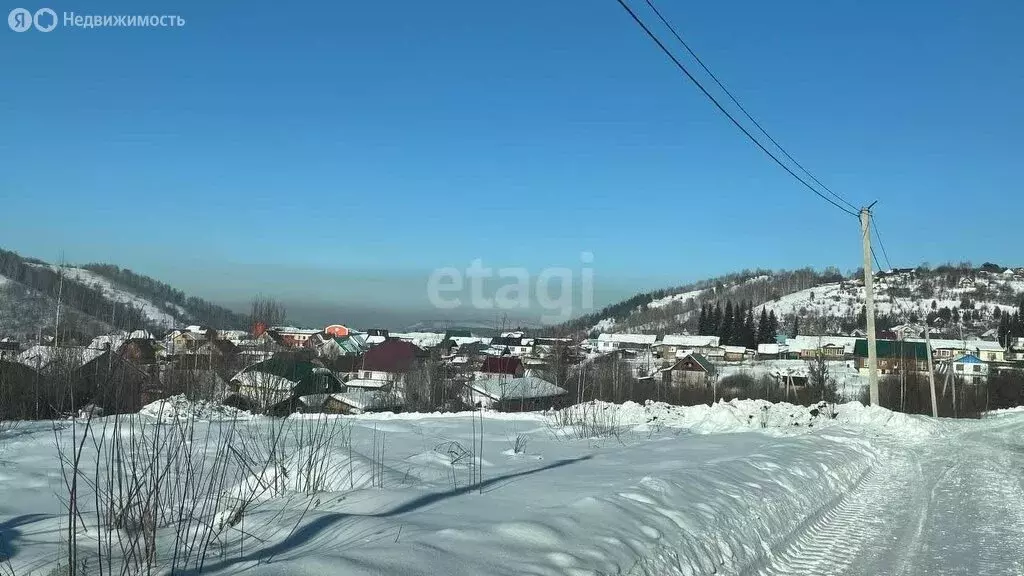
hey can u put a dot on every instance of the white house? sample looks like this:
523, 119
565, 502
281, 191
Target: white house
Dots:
611, 342
671, 345
946, 349
970, 366
829, 346
515, 345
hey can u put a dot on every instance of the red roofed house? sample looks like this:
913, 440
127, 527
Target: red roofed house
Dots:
385, 365
501, 367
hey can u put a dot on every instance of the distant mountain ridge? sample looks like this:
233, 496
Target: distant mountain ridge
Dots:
961, 298
95, 298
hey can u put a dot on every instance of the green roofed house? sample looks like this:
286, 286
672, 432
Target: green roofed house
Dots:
893, 356
282, 378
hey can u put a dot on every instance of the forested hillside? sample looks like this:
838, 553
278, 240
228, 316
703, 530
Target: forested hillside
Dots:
94, 299
958, 298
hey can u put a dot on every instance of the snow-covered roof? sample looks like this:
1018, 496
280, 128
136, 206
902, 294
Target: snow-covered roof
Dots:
114, 341
802, 343
687, 341
264, 381
39, 357
772, 348
294, 330
421, 339
735, 349
516, 388
646, 339
372, 383
948, 344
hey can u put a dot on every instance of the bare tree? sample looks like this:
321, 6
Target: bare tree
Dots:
266, 312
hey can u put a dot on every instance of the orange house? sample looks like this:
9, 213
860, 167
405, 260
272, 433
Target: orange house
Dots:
337, 330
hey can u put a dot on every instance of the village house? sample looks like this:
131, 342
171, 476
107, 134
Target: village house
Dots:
613, 342
947, 349
514, 345
221, 349
810, 347
501, 367
893, 356
737, 353
9, 349
772, 351
139, 351
693, 369
516, 394
292, 337
385, 365
969, 366
275, 384
672, 346
1015, 350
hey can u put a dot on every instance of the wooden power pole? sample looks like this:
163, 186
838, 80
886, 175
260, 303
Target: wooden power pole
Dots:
869, 297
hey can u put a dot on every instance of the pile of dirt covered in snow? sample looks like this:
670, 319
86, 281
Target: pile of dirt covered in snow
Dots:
745, 415
177, 408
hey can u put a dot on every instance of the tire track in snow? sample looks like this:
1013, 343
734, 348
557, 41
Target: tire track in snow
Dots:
830, 541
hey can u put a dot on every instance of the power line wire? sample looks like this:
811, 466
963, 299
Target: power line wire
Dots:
726, 112
735, 101
880, 244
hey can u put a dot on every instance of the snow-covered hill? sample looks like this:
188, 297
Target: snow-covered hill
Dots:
159, 315
962, 298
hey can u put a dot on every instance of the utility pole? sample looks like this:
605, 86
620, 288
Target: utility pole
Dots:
931, 369
869, 297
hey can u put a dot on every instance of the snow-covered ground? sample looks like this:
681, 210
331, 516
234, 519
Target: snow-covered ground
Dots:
736, 488
680, 297
847, 298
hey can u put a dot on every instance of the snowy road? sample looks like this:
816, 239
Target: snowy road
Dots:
949, 507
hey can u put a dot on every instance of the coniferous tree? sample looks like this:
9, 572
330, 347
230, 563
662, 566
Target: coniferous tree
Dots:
749, 330
763, 328
702, 323
796, 325
737, 324
716, 320
728, 323
773, 327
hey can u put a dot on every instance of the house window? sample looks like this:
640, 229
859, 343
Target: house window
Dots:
366, 374
977, 368
960, 367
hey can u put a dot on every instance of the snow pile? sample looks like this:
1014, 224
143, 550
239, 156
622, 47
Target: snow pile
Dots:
177, 408
747, 415
1002, 411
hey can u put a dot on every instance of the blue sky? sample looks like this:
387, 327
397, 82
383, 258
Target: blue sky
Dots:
337, 152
